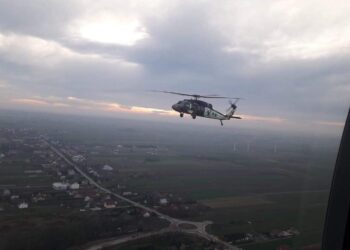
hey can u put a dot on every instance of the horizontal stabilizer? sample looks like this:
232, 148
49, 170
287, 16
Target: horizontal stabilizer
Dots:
236, 117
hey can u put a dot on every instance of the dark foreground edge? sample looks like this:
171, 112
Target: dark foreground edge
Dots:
336, 232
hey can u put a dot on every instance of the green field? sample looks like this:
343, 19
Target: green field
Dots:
270, 195
200, 179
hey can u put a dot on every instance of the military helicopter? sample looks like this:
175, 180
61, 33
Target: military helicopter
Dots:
196, 107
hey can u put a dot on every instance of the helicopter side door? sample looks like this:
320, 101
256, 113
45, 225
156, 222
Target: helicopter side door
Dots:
207, 112
200, 109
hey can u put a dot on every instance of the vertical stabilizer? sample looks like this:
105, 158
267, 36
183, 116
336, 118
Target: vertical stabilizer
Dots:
231, 110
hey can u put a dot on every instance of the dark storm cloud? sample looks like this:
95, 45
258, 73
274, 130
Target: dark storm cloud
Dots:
182, 41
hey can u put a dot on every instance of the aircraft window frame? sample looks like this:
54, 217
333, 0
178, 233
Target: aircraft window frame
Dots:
336, 230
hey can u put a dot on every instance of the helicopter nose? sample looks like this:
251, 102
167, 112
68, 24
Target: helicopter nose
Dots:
176, 107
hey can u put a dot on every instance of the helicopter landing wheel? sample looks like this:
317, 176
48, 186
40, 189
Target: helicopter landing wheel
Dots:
193, 116
181, 115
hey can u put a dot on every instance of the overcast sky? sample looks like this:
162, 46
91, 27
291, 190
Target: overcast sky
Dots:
290, 60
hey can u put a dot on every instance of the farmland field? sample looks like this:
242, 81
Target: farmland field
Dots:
235, 201
253, 189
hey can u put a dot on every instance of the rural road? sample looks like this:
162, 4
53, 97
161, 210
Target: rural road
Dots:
199, 228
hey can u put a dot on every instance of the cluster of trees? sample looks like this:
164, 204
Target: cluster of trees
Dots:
44, 232
4, 147
168, 241
59, 235
54, 237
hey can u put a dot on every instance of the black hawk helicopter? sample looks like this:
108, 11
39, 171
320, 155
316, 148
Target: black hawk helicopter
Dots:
196, 107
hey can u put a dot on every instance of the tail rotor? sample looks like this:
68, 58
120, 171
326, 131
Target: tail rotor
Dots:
233, 105
231, 110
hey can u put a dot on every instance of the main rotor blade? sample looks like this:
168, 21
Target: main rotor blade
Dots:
219, 97
175, 93
198, 96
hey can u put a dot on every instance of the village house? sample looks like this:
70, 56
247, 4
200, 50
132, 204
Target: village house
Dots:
107, 168
60, 186
23, 205
163, 201
74, 186
109, 204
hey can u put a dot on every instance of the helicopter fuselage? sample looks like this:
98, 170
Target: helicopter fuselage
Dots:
198, 108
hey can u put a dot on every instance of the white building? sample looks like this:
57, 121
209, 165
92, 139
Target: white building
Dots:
23, 205
74, 186
14, 197
60, 186
107, 168
78, 158
163, 201
109, 204
284, 234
